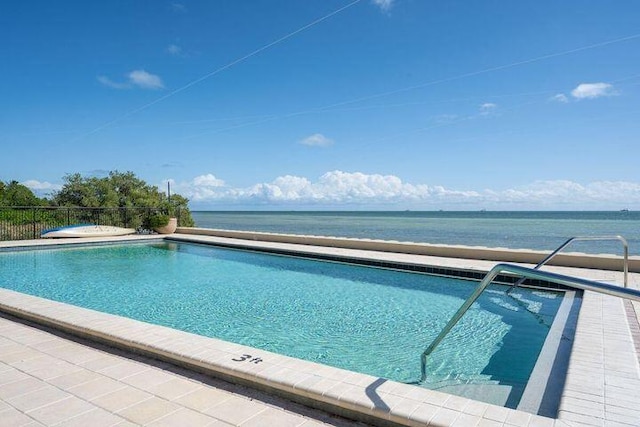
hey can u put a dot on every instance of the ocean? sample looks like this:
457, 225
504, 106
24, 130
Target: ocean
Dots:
537, 230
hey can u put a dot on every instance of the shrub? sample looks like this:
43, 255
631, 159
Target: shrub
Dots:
158, 220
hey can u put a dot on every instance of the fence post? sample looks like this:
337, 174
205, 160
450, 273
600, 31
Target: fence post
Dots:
33, 210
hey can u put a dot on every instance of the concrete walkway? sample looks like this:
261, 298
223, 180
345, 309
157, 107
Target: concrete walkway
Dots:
51, 379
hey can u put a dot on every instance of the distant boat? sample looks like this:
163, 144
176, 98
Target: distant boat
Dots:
86, 230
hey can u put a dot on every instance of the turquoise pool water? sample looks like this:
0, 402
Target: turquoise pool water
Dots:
364, 319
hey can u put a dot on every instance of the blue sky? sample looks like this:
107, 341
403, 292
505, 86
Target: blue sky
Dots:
329, 104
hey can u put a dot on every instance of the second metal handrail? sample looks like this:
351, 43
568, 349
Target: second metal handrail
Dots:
625, 246
575, 282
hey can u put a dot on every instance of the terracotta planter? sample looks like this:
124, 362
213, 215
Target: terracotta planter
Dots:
170, 228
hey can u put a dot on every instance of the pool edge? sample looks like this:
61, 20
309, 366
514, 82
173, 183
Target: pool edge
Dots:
352, 395
572, 410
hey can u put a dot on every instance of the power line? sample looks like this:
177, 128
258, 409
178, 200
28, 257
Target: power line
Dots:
219, 70
484, 71
423, 85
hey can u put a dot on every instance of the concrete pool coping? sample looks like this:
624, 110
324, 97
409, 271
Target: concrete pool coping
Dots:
564, 258
600, 386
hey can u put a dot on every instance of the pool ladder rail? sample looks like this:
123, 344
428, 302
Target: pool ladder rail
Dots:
625, 250
535, 273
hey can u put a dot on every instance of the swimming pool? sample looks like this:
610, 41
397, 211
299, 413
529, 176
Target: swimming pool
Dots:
364, 319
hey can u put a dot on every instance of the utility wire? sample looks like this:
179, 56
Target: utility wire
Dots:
219, 70
422, 85
484, 71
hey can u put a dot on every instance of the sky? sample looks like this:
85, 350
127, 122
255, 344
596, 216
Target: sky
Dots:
329, 104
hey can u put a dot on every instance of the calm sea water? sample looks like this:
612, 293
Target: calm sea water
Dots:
515, 230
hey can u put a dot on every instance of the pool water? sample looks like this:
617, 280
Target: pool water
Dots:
364, 319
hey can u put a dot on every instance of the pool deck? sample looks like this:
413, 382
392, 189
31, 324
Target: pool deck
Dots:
64, 365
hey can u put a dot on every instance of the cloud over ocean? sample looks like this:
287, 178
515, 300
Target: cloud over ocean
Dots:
337, 189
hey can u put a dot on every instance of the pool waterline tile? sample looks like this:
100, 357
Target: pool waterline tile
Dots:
97, 321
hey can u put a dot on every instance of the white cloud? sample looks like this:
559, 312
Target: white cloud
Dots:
178, 7
201, 188
41, 188
488, 109
174, 49
332, 188
208, 180
568, 194
145, 80
110, 83
136, 78
316, 140
593, 90
561, 97
345, 189
339, 189
383, 4
41, 185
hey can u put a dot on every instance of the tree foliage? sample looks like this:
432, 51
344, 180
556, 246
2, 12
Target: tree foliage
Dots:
15, 194
120, 190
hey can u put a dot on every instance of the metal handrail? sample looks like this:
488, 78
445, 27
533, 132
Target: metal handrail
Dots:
625, 247
575, 282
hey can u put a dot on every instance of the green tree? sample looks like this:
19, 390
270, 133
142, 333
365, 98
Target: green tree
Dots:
15, 194
120, 190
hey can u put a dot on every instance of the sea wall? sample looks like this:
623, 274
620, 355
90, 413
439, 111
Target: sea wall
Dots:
568, 259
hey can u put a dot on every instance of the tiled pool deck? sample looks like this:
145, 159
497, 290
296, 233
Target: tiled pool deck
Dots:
48, 377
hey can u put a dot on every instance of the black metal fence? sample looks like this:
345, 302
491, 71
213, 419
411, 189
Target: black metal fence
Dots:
18, 223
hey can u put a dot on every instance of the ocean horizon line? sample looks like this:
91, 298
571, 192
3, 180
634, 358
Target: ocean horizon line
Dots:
421, 210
